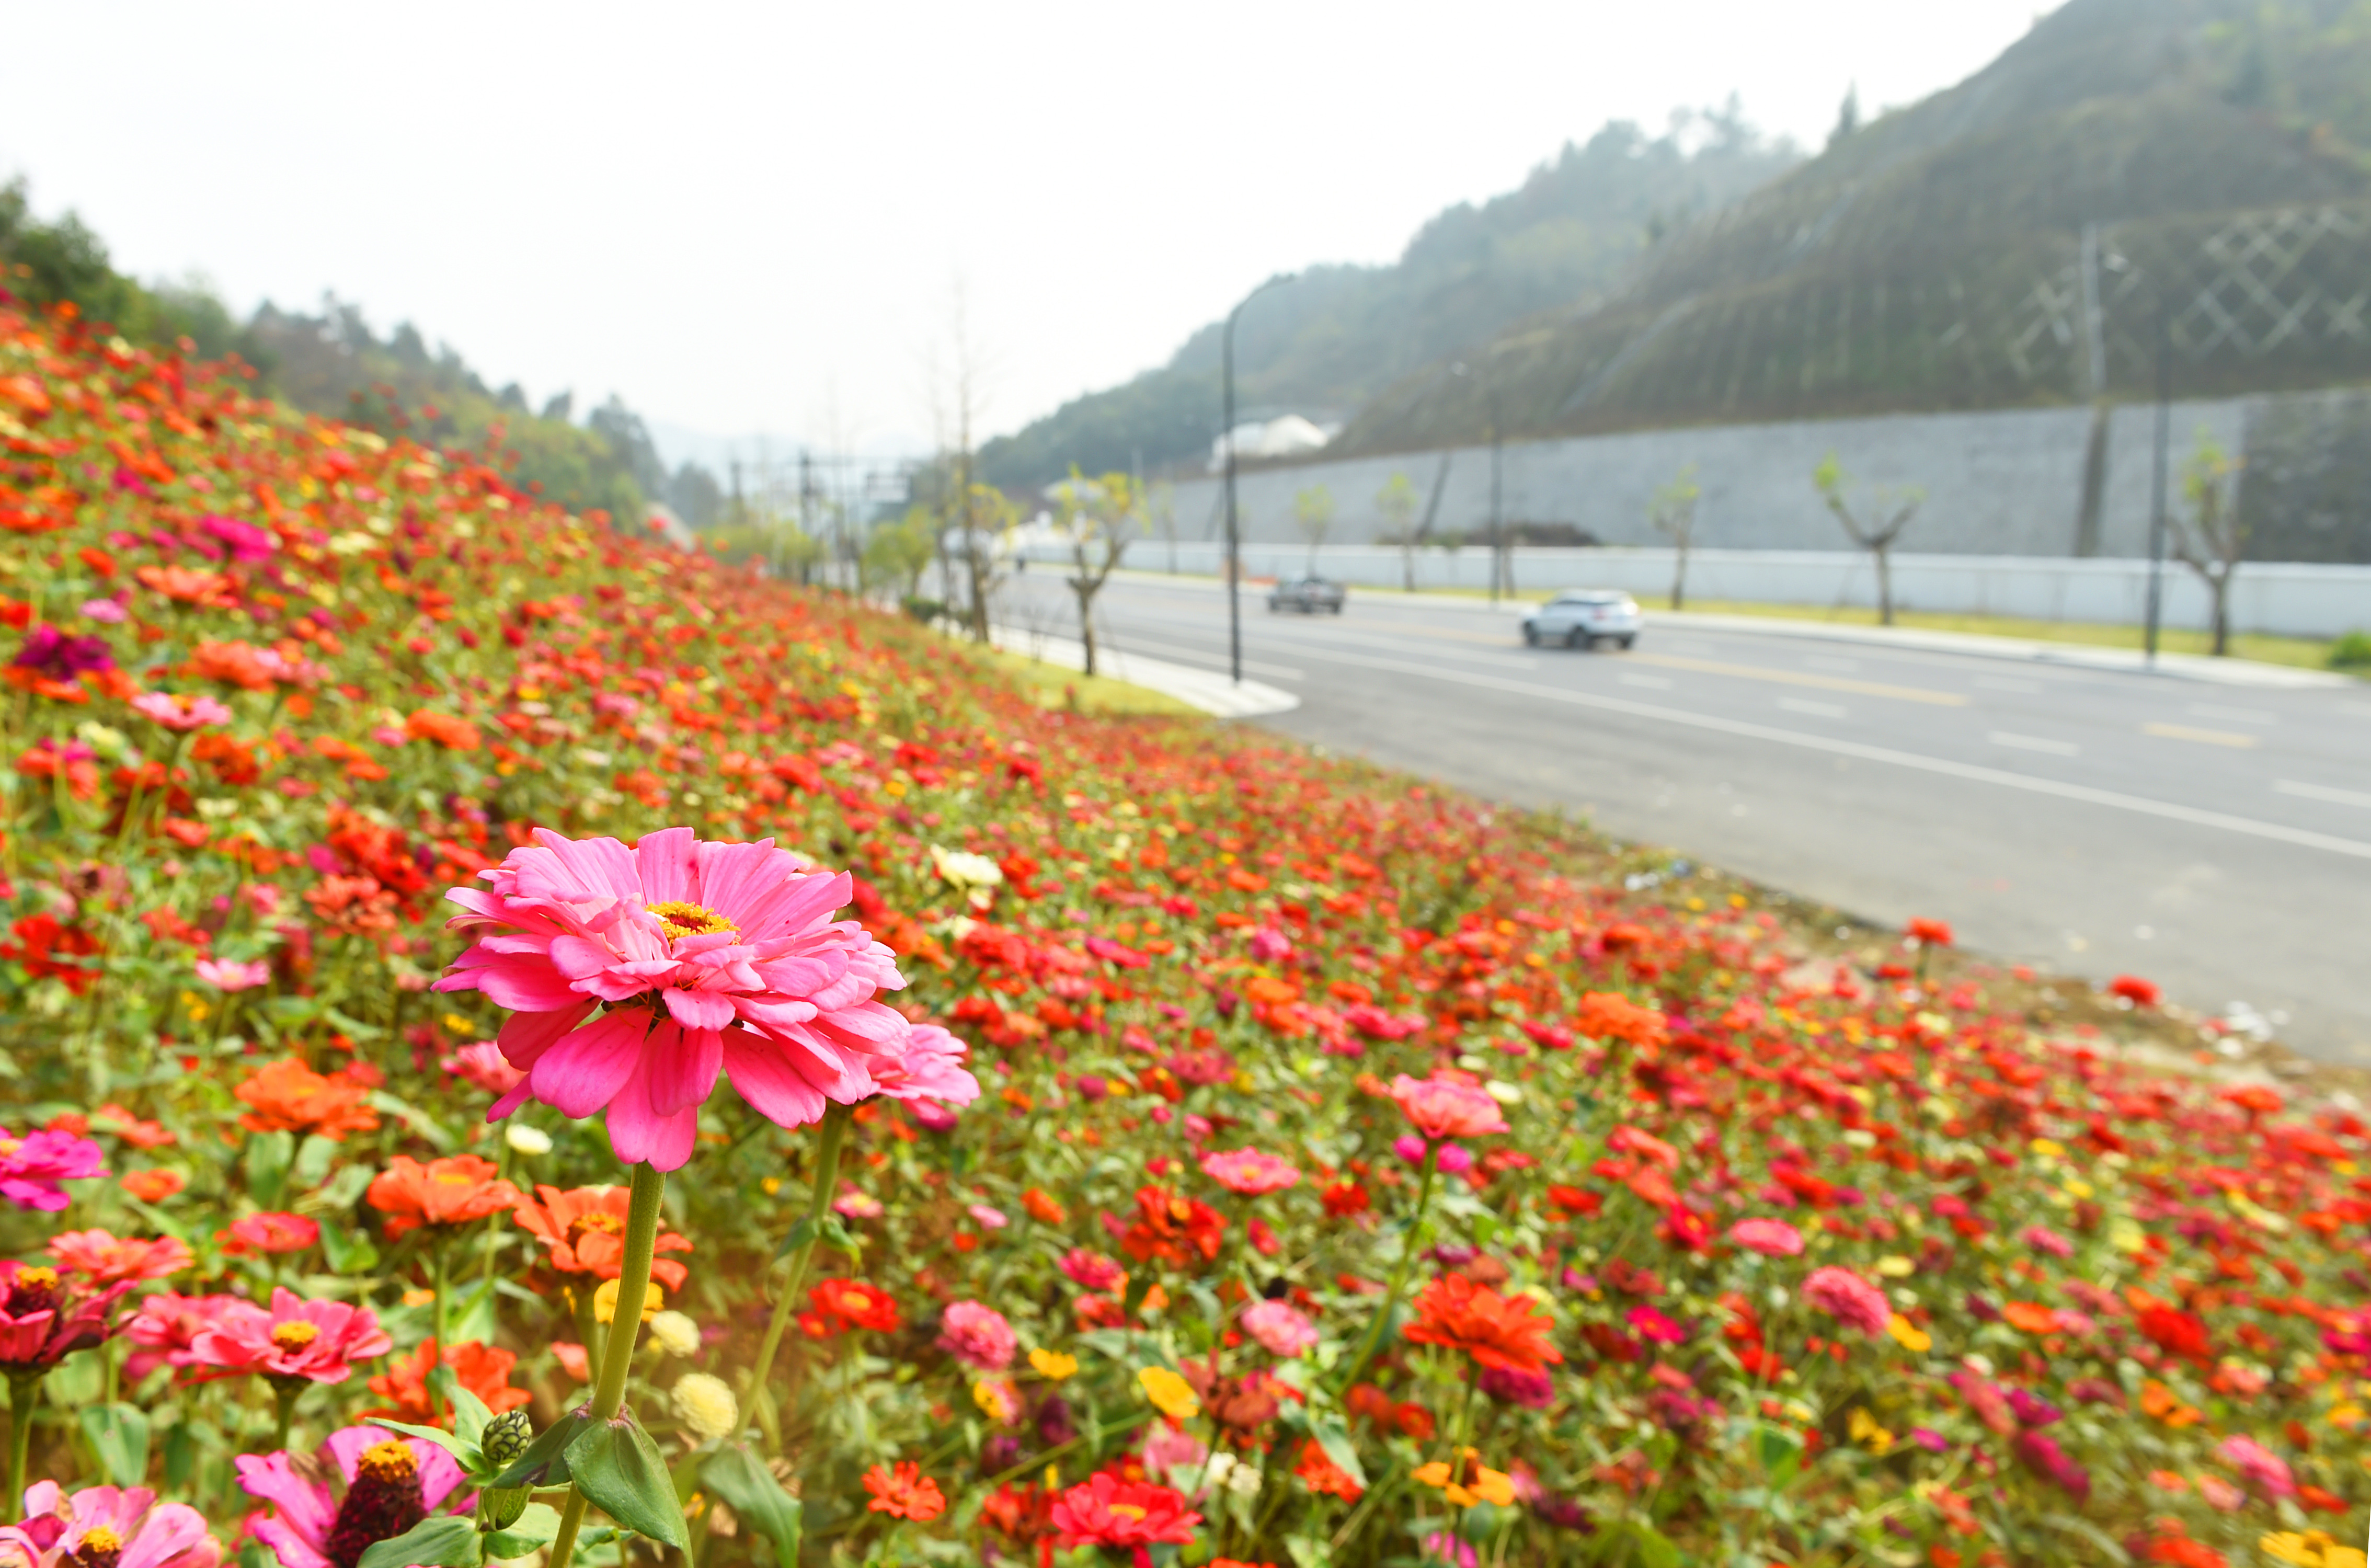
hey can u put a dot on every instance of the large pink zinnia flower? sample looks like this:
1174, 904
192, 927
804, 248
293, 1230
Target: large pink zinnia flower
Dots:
106, 1525
1849, 1299
32, 1167
1770, 1238
1250, 1171
44, 1319
392, 1483
932, 1069
314, 1340
679, 959
1444, 1107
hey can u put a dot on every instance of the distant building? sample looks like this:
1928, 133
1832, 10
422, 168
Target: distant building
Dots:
1287, 436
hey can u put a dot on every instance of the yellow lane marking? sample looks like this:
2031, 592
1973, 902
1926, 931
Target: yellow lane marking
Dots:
1797, 678
2203, 737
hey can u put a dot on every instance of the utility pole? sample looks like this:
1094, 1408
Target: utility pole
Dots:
1234, 530
2157, 475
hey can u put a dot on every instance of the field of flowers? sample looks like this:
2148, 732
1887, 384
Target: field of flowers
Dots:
1069, 1140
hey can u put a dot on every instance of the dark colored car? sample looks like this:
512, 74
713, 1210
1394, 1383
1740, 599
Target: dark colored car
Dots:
1308, 595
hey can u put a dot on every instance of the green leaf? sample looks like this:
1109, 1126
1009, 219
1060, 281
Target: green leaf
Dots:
545, 1463
615, 1465
472, 1315
443, 1542
798, 1236
750, 1488
1334, 1438
470, 1414
119, 1435
1655, 1549
312, 1166
420, 1121
268, 1155
534, 1528
347, 1254
465, 1452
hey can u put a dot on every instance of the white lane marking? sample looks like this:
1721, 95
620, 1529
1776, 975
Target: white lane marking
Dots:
1820, 662
2034, 744
2234, 714
2322, 792
2006, 683
1817, 710
2140, 806
1652, 683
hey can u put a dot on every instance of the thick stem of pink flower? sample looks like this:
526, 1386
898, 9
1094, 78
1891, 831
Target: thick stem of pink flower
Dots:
828, 1137
1374, 1339
23, 1393
625, 1327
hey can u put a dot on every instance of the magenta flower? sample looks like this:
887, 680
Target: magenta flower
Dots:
180, 713
43, 1319
49, 651
32, 1167
1653, 1325
1850, 1300
2042, 1238
314, 1341
231, 974
1282, 1328
2040, 1453
106, 1526
1091, 1270
1250, 1171
977, 1335
392, 1483
679, 959
1770, 1238
2268, 1471
932, 1070
1512, 1385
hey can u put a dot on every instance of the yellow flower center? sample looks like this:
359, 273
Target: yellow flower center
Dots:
37, 1279
99, 1537
854, 1301
387, 1462
608, 1224
679, 919
294, 1336
1130, 1509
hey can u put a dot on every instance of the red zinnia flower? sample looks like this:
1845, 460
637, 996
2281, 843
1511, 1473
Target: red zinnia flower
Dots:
1182, 1232
844, 1304
482, 1369
268, 1233
1106, 1511
1494, 1330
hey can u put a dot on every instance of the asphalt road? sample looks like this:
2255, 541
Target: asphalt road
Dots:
2090, 823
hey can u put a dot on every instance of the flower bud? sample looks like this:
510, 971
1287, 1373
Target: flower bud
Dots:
506, 1436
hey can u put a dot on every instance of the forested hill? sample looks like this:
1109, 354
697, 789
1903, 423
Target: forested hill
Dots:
1336, 335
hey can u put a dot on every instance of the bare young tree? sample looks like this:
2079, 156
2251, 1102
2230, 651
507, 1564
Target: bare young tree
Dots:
1100, 516
1396, 501
1889, 512
978, 515
1313, 513
1673, 512
2212, 540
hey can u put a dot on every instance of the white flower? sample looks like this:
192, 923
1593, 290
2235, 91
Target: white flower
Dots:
675, 1333
965, 869
706, 1405
525, 1139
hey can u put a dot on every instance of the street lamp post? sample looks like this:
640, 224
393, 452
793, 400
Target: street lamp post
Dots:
2156, 482
1234, 535
1498, 541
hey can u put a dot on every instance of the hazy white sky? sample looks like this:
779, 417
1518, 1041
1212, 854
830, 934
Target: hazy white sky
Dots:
750, 217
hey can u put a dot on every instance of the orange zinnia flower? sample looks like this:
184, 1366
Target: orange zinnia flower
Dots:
482, 1369
453, 734
290, 1096
584, 1231
905, 1493
1509, 1334
443, 1191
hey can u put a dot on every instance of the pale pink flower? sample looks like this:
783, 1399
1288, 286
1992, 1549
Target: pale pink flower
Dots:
987, 1217
932, 1069
1444, 1107
391, 1482
183, 713
1282, 1327
1770, 1238
2042, 1238
483, 1065
2259, 1464
1250, 1171
231, 974
977, 1335
1165, 1450
1850, 1300
853, 1203
167, 1327
2221, 1494
105, 1524
681, 961
318, 1340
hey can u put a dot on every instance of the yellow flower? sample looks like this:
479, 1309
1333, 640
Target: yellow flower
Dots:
2312, 1549
1895, 1266
997, 1399
705, 1404
1170, 1394
1908, 1335
1865, 1429
1052, 1364
604, 1301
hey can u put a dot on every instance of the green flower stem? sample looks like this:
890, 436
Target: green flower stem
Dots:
829, 1136
283, 1397
436, 1400
1374, 1339
23, 1393
626, 1322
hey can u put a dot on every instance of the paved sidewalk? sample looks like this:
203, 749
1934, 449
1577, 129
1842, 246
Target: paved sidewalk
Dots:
1206, 690
2080, 655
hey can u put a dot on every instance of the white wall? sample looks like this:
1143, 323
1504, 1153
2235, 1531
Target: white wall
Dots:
2300, 600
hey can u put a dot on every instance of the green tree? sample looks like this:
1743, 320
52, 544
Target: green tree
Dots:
1673, 513
1889, 511
1396, 501
2213, 539
1100, 516
899, 551
1313, 513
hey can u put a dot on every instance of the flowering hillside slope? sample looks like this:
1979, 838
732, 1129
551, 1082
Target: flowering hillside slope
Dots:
1182, 1150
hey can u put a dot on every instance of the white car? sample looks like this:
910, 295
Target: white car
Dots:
1582, 617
